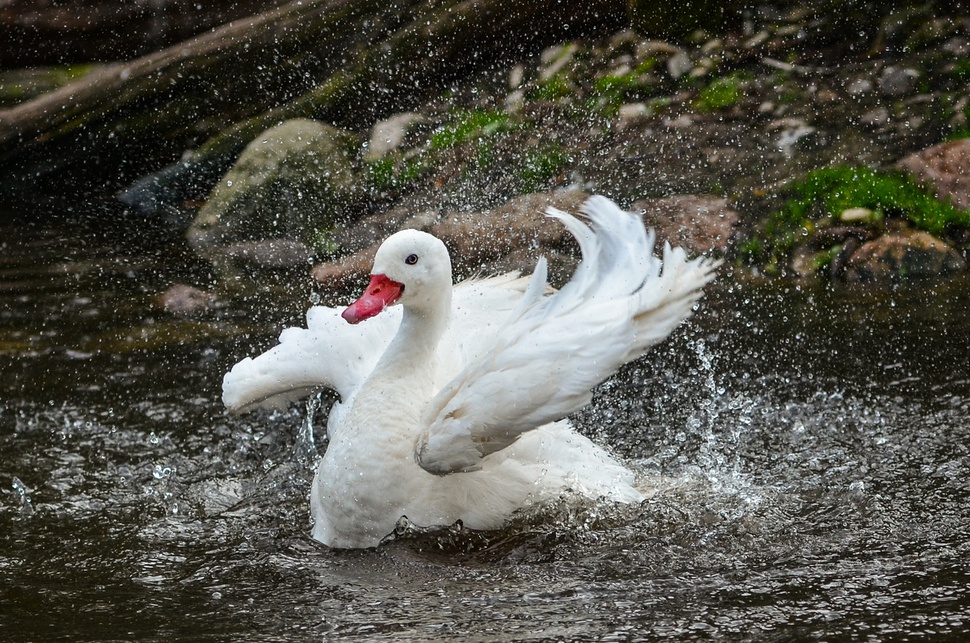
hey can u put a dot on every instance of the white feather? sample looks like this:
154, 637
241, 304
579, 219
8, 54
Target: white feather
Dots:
453, 410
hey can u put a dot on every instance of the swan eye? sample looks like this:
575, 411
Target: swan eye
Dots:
411, 260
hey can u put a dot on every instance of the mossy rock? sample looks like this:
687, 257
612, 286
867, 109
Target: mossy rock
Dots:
291, 182
902, 256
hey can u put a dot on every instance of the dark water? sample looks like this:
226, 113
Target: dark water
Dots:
812, 444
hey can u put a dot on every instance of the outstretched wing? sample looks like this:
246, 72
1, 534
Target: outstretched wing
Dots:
553, 350
328, 353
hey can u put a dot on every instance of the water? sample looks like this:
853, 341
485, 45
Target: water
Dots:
811, 444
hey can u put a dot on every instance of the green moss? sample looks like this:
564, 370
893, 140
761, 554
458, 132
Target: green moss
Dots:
540, 166
827, 192
635, 85
412, 170
552, 89
394, 173
380, 174
468, 125
960, 70
324, 244
20, 85
837, 189
721, 93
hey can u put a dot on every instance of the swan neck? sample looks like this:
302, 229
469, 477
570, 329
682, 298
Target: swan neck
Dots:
414, 345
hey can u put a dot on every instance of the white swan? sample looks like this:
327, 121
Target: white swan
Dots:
452, 402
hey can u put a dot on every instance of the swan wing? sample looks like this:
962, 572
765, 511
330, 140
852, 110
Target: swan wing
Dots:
552, 350
328, 353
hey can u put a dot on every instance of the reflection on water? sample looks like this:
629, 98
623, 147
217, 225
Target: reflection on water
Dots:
812, 444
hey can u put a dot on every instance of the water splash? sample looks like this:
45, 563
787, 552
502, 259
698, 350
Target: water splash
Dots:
23, 494
305, 450
719, 421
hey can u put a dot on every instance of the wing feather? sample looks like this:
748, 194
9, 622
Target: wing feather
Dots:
552, 351
328, 353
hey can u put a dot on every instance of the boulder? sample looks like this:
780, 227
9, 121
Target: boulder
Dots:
294, 182
510, 237
514, 235
388, 134
698, 223
183, 300
946, 167
902, 255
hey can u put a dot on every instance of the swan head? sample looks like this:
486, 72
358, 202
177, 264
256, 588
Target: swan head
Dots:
411, 268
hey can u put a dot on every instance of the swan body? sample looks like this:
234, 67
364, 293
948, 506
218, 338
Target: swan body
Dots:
452, 398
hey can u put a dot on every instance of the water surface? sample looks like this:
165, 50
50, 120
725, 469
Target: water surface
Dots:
811, 444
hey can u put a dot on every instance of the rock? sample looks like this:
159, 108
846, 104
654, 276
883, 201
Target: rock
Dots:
478, 239
946, 167
856, 215
268, 253
826, 237
902, 255
554, 60
679, 65
511, 237
699, 223
898, 81
345, 273
858, 87
878, 117
183, 300
388, 134
516, 76
291, 182
805, 262
792, 134
630, 113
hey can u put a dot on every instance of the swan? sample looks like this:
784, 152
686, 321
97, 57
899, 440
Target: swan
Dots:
452, 399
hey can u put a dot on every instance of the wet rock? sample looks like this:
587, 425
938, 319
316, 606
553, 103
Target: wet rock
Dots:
698, 223
268, 253
291, 182
859, 86
878, 117
631, 113
898, 81
183, 300
856, 215
679, 65
387, 135
792, 133
836, 235
345, 273
510, 237
902, 255
555, 59
946, 167
476, 239
804, 262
